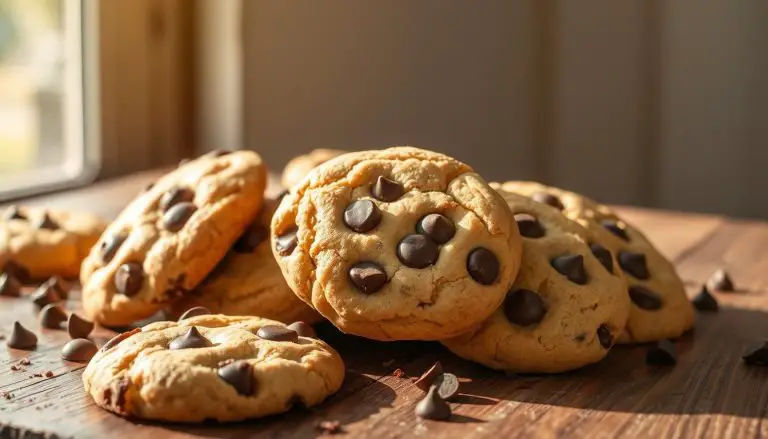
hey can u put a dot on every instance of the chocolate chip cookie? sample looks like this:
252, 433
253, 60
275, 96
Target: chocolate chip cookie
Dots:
660, 307
38, 243
248, 281
299, 167
566, 307
397, 244
171, 236
224, 368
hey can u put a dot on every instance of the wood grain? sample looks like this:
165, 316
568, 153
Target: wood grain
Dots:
709, 393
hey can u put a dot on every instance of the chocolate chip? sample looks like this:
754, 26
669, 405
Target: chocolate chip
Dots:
483, 266
251, 238
661, 353
129, 278
239, 374
177, 216
116, 340
428, 378
438, 227
9, 286
46, 294
447, 385
21, 338
572, 267
52, 316
175, 196
190, 340
615, 228
79, 350
303, 329
368, 277
194, 312
529, 225
417, 251
59, 284
278, 333
721, 281
604, 336
524, 307
387, 190
109, 247
603, 255
78, 327
634, 264
548, 199
362, 216
705, 301
44, 221
287, 241
757, 354
17, 270
13, 213
644, 298
433, 407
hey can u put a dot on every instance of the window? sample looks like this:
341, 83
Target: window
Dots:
48, 135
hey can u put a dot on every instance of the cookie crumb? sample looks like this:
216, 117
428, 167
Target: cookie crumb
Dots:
329, 427
398, 373
38, 375
6, 395
25, 362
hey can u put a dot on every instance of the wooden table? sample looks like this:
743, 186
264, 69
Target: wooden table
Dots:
709, 393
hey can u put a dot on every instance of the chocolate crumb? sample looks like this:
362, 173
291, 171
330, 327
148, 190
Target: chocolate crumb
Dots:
329, 427
48, 374
25, 362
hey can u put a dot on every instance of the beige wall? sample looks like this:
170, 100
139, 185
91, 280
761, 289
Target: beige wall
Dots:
642, 102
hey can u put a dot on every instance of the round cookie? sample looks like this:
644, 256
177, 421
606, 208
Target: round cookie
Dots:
225, 368
38, 243
566, 307
660, 307
170, 237
248, 281
299, 166
397, 244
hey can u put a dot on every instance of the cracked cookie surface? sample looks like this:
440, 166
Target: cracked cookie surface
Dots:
660, 308
248, 281
226, 368
397, 244
566, 307
298, 167
40, 243
171, 236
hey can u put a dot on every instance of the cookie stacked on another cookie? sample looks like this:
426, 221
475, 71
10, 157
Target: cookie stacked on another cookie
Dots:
566, 307
397, 244
660, 307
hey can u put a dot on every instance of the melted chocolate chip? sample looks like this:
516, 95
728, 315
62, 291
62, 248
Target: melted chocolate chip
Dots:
251, 238
194, 312
548, 199
524, 307
287, 241
52, 316
387, 190
9, 286
437, 227
79, 350
21, 338
116, 340
239, 374
368, 277
634, 264
572, 267
129, 278
529, 225
603, 255
190, 340
428, 378
417, 251
705, 301
303, 329
362, 216
13, 213
175, 196
278, 333
644, 298
483, 266
45, 222
604, 336
433, 406
109, 247
78, 327
615, 228
177, 216
721, 281
661, 353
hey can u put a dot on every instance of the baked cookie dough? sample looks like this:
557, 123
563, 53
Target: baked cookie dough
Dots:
299, 166
660, 307
171, 236
248, 281
397, 244
38, 243
211, 367
566, 307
